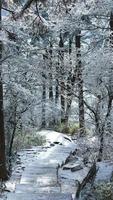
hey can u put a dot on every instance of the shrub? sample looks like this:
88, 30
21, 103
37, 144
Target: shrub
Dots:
73, 128
104, 191
27, 140
67, 128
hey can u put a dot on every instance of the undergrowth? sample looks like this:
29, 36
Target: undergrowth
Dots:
104, 191
67, 128
23, 141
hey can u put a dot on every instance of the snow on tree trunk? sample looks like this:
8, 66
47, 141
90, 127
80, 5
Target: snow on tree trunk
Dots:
43, 98
62, 81
69, 87
80, 86
3, 170
51, 99
110, 97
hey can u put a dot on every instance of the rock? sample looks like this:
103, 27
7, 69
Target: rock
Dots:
71, 159
111, 179
52, 145
67, 138
72, 166
57, 143
76, 168
85, 160
105, 171
18, 162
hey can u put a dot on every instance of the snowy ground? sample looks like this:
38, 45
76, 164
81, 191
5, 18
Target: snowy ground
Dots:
54, 168
37, 168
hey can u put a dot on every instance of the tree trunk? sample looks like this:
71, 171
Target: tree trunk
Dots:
62, 82
13, 133
80, 86
90, 177
57, 82
100, 132
43, 97
101, 129
110, 85
111, 30
57, 93
69, 87
3, 170
110, 95
101, 148
69, 98
62, 102
51, 100
43, 105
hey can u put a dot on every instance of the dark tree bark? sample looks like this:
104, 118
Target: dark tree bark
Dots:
52, 119
80, 86
57, 94
90, 177
57, 91
13, 132
43, 106
62, 82
69, 98
3, 170
43, 98
111, 28
57, 81
69, 87
102, 129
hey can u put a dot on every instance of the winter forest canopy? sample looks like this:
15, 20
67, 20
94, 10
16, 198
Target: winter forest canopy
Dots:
56, 70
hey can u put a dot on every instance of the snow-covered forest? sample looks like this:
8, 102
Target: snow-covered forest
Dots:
56, 73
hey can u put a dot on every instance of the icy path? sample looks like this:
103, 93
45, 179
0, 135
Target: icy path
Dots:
40, 178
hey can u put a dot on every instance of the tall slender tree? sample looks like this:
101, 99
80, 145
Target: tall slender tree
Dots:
110, 97
80, 84
62, 81
3, 170
69, 86
43, 96
51, 99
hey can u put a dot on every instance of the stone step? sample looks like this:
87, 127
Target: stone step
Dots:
30, 188
39, 196
40, 170
39, 163
40, 180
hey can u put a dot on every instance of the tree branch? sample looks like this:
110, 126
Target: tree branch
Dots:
26, 6
6, 9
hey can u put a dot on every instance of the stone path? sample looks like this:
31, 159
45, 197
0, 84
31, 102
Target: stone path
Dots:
52, 172
40, 178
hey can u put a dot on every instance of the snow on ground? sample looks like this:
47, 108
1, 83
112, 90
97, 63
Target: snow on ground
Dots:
54, 152
53, 136
37, 167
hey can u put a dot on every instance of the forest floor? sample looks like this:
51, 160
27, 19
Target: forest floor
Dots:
52, 171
